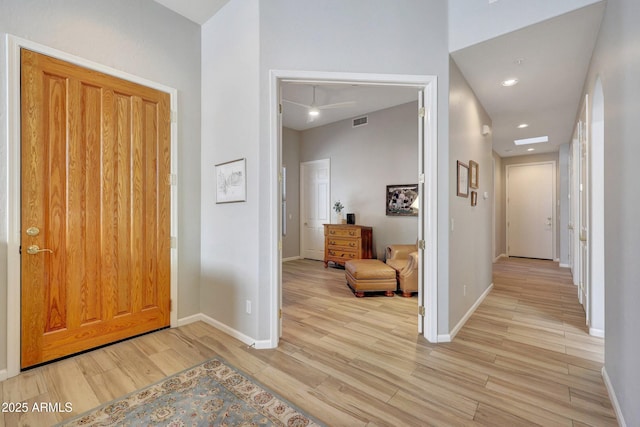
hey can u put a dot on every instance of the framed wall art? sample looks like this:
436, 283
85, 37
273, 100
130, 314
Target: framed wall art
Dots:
231, 181
474, 174
462, 186
474, 198
402, 200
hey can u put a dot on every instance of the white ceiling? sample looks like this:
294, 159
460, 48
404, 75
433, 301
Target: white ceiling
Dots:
198, 11
360, 99
555, 57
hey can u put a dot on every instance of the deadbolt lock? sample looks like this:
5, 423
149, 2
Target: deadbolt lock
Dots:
33, 231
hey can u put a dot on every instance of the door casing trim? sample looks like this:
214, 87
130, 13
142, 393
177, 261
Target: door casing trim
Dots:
429, 158
13, 45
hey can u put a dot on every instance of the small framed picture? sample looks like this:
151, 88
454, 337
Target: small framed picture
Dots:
473, 174
231, 181
463, 180
474, 198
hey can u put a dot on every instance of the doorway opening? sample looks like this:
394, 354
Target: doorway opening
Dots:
531, 210
425, 86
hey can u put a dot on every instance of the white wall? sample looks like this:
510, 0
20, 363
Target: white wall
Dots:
291, 160
617, 63
366, 36
130, 36
364, 160
230, 233
471, 261
498, 208
473, 21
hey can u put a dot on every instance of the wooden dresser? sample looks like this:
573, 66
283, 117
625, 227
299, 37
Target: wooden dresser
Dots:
343, 242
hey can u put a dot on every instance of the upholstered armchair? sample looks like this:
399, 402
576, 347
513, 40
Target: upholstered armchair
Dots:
404, 259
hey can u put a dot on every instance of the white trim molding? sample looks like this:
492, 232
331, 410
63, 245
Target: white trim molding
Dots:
293, 258
250, 342
451, 335
429, 160
613, 397
498, 257
13, 45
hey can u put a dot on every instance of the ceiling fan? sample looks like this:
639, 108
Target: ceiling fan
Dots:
314, 108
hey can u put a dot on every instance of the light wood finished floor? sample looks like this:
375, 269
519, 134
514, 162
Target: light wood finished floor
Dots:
523, 358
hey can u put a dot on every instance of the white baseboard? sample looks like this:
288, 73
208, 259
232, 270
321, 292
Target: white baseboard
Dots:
599, 333
3, 374
293, 258
258, 344
499, 256
565, 265
613, 397
444, 338
451, 335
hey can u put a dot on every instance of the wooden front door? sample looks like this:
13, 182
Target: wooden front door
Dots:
95, 220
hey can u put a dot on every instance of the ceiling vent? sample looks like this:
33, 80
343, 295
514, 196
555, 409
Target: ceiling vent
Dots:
360, 121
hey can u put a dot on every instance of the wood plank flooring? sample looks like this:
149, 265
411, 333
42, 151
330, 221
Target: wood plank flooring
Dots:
523, 358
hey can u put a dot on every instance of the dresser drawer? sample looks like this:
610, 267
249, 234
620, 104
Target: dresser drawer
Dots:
344, 232
341, 255
336, 242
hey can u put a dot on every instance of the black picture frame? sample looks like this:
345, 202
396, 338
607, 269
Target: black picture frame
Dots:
403, 200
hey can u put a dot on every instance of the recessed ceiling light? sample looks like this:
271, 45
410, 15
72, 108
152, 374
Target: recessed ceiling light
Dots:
535, 140
510, 82
523, 125
313, 112
531, 149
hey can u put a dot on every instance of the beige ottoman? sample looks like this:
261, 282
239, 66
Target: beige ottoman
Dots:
370, 275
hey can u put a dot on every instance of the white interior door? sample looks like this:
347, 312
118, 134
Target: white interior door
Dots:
530, 210
315, 207
574, 224
583, 216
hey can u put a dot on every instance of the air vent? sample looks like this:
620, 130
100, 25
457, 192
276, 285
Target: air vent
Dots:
360, 121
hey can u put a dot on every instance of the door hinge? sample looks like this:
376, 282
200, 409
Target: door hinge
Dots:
170, 305
280, 314
174, 116
173, 242
280, 245
421, 178
172, 179
421, 310
422, 112
422, 244
280, 108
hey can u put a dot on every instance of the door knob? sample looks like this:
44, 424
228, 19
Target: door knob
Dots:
34, 249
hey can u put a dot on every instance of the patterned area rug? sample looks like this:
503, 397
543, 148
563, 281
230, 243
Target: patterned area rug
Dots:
210, 394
